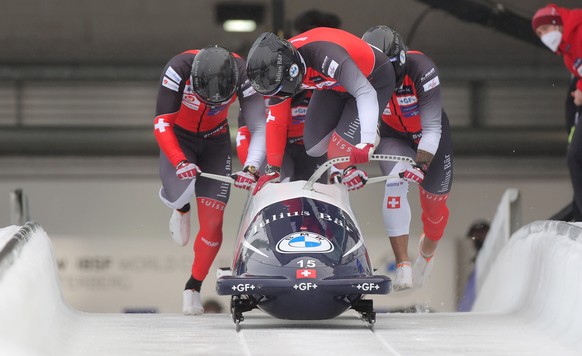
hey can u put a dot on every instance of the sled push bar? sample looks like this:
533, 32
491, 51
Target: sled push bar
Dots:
325, 166
226, 179
375, 157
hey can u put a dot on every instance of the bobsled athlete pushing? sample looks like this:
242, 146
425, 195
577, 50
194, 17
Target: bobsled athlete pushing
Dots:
300, 253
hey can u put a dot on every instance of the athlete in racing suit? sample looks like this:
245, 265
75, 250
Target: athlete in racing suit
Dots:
415, 125
191, 128
287, 116
352, 83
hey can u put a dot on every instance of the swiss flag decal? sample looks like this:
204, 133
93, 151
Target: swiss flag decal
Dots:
393, 203
305, 273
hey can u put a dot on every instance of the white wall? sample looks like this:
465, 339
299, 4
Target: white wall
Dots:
110, 230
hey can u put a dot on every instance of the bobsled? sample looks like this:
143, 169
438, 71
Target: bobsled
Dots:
300, 253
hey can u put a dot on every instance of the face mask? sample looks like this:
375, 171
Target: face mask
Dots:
552, 40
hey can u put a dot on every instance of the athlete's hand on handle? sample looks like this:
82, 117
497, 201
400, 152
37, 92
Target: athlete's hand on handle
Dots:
272, 175
362, 153
187, 170
354, 178
414, 173
246, 178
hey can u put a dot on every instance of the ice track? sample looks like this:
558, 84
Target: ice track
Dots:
529, 304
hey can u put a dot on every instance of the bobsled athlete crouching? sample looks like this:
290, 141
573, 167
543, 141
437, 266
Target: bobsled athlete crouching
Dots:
196, 89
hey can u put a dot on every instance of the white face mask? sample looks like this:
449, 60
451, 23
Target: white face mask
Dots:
552, 40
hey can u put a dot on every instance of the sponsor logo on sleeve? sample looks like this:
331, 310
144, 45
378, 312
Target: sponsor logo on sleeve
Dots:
169, 84
172, 74
332, 68
428, 74
433, 83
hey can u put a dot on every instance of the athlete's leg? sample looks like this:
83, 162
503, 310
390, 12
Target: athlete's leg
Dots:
323, 114
395, 207
396, 210
348, 130
434, 192
212, 197
176, 193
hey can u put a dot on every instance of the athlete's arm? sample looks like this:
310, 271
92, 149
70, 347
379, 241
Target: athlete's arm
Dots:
252, 107
278, 119
168, 102
424, 73
355, 82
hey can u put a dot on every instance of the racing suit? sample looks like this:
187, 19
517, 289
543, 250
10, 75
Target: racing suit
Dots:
285, 116
415, 120
188, 129
352, 83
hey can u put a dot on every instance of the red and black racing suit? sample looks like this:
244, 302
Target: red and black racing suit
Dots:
415, 120
286, 116
188, 129
352, 83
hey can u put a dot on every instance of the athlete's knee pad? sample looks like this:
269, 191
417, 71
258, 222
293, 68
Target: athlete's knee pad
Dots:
209, 237
435, 214
395, 208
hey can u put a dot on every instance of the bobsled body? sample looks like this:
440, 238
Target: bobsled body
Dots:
300, 255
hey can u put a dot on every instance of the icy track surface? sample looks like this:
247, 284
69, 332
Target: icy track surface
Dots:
535, 310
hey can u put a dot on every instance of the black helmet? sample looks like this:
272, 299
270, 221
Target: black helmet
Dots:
274, 66
214, 75
392, 44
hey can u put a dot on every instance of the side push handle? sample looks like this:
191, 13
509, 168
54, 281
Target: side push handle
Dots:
375, 157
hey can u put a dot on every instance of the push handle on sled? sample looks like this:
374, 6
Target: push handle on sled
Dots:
375, 157
226, 179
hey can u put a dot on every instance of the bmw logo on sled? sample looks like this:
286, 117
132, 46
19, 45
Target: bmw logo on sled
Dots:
300, 254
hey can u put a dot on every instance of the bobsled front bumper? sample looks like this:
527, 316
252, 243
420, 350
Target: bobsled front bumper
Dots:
276, 286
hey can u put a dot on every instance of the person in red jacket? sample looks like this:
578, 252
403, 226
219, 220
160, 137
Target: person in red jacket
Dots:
191, 128
414, 125
560, 30
352, 81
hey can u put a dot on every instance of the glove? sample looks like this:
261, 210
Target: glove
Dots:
187, 170
246, 178
362, 153
272, 175
415, 173
354, 178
